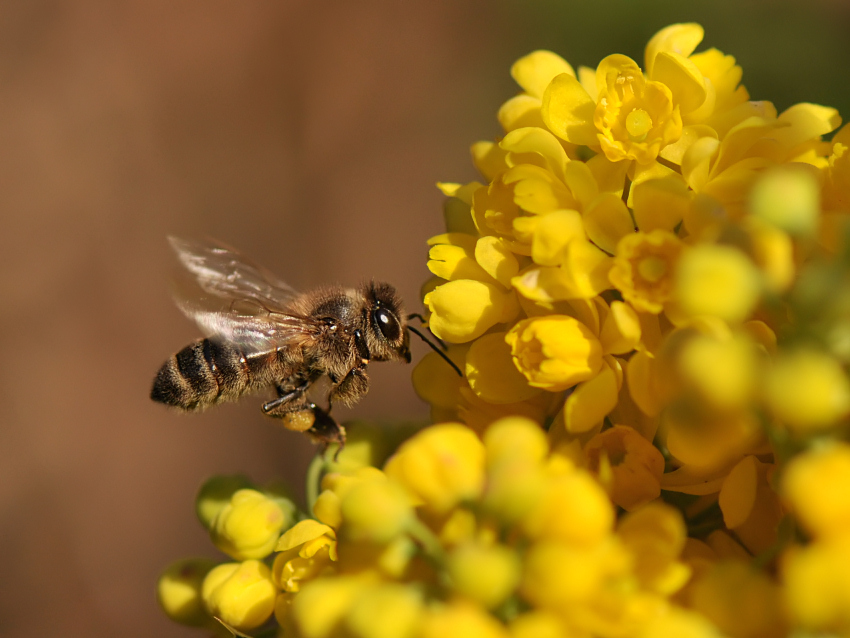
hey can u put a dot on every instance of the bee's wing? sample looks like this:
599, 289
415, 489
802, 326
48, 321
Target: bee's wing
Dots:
225, 273
234, 300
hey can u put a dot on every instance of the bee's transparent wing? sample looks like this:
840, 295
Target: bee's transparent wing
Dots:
232, 299
220, 271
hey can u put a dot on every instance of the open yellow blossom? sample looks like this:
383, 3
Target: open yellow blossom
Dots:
644, 269
627, 464
306, 551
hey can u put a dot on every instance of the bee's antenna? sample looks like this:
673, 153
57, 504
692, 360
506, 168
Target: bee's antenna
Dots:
422, 319
435, 349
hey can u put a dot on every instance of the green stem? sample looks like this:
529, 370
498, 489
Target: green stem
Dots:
430, 544
314, 478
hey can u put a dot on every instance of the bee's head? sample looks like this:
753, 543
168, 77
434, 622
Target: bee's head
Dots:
386, 333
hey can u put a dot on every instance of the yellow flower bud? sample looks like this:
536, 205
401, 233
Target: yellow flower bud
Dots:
486, 575
215, 494
554, 352
807, 390
441, 465
815, 484
248, 526
179, 591
240, 594
464, 309
718, 281
375, 511
386, 611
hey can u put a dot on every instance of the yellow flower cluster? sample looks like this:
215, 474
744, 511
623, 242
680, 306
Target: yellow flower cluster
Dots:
648, 298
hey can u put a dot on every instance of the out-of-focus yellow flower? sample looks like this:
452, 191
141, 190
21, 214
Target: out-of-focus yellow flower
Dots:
179, 591
723, 371
679, 623
460, 619
815, 485
750, 506
554, 352
249, 525
486, 575
817, 585
627, 464
320, 607
387, 610
656, 535
807, 390
788, 198
375, 511
740, 601
538, 624
644, 269
442, 465
240, 594
718, 281
573, 507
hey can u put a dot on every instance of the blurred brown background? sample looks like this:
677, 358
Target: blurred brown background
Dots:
309, 135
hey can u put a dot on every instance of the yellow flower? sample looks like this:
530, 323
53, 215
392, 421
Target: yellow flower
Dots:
240, 594
492, 374
442, 465
249, 525
788, 198
554, 352
486, 575
807, 390
718, 281
627, 464
385, 611
179, 591
656, 535
464, 309
319, 609
460, 619
817, 586
644, 269
306, 551
815, 485
740, 601
215, 493
375, 511
750, 506
573, 508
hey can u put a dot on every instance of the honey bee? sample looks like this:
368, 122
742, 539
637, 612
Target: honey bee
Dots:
260, 333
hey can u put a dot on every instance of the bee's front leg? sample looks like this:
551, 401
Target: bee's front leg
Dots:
353, 386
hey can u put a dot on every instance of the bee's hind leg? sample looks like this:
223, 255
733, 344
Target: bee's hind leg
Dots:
326, 430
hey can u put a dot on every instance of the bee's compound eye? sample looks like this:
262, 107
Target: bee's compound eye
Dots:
387, 324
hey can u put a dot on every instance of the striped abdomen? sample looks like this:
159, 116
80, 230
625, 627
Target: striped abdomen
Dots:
207, 372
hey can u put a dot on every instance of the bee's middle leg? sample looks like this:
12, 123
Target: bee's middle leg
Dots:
289, 399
